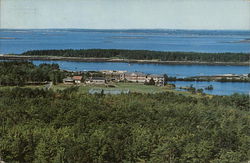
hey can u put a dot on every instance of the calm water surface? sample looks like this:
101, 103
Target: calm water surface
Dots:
171, 70
18, 41
220, 88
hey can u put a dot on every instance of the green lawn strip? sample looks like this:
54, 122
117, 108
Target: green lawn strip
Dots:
132, 87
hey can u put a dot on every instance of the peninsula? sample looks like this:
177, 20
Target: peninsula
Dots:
133, 56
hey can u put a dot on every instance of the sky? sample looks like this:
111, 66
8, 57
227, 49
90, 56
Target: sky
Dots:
126, 14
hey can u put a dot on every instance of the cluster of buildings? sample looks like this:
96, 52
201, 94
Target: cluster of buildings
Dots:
142, 78
79, 80
73, 80
116, 76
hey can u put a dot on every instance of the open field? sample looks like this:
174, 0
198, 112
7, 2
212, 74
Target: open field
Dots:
132, 87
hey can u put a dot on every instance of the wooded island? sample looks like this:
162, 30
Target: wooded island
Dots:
141, 56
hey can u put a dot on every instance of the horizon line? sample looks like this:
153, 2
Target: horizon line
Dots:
126, 29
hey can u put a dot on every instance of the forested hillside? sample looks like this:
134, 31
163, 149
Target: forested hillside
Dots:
144, 55
66, 126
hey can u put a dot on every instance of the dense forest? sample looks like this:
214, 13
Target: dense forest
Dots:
66, 126
38, 125
21, 73
144, 55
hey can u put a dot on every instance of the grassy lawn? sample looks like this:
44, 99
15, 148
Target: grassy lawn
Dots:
132, 87
140, 88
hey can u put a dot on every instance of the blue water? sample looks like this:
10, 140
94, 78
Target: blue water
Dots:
18, 41
226, 88
171, 70
161, 40
220, 88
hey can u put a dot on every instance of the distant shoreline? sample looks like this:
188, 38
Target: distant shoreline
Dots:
80, 59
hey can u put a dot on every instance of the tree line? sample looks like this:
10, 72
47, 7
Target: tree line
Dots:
22, 72
144, 55
67, 126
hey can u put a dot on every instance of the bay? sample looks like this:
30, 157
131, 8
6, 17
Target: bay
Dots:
18, 41
171, 70
219, 88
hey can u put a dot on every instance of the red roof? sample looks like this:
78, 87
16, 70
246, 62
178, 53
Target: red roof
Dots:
77, 77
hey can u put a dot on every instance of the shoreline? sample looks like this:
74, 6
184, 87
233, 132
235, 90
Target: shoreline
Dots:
80, 59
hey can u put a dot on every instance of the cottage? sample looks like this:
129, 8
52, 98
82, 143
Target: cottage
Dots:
112, 75
112, 72
77, 79
134, 77
68, 80
98, 80
158, 79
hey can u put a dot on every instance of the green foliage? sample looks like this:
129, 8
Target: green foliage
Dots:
144, 54
66, 126
165, 76
21, 73
199, 90
150, 82
210, 87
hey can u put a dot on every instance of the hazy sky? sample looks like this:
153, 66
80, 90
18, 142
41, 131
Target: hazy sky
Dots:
126, 14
